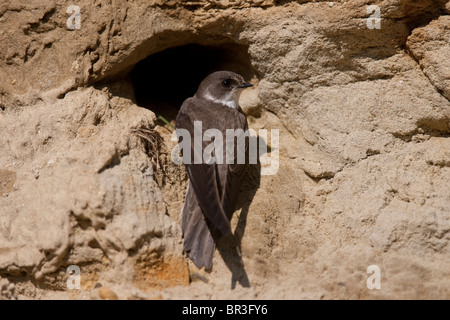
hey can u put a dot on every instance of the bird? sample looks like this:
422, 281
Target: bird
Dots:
213, 188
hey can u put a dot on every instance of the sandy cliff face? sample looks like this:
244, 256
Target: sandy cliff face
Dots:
363, 115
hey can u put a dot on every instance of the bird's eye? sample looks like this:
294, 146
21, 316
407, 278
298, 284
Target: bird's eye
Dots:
226, 82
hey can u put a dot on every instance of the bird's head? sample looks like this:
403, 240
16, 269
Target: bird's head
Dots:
223, 87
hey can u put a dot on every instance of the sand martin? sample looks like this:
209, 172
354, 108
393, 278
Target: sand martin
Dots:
213, 189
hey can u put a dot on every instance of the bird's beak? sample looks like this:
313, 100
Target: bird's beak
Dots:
245, 85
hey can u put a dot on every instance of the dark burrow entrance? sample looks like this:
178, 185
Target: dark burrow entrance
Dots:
164, 80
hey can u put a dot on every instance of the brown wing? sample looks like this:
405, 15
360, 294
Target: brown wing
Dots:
213, 189
203, 179
231, 175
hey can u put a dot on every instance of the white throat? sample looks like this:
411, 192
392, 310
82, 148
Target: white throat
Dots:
231, 100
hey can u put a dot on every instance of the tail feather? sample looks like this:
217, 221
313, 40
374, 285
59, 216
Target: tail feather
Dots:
202, 251
198, 241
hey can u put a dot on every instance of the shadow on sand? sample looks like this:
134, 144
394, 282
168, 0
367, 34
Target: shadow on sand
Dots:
227, 249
